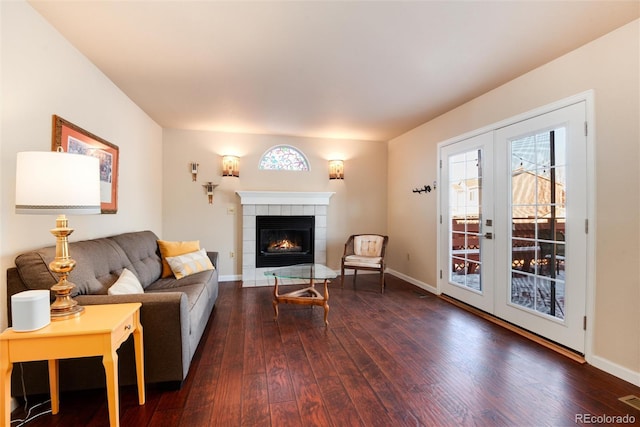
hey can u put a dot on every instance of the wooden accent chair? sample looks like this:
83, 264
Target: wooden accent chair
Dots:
364, 252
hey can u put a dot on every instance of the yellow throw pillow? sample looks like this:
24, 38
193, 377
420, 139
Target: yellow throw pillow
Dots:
191, 263
172, 249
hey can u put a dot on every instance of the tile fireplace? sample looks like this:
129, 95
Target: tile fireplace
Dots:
303, 240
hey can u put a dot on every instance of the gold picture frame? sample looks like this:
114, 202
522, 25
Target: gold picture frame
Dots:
73, 139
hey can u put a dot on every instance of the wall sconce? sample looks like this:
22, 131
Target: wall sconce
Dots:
194, 171
231, 166
209, 187
336, 169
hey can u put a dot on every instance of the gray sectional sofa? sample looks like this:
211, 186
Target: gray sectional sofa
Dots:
174, 312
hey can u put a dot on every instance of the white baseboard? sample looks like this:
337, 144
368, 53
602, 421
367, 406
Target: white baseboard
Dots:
615, 369
413, 281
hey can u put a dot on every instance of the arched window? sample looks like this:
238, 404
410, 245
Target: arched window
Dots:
284, 157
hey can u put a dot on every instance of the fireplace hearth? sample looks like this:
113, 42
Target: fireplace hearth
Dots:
284, 240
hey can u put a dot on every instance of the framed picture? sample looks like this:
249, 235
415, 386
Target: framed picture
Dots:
74, 139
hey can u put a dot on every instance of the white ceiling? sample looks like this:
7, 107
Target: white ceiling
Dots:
368, 70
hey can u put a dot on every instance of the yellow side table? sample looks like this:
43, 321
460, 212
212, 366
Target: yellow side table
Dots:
98, 332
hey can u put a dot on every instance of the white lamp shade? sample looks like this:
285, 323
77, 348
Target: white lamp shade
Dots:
50, 182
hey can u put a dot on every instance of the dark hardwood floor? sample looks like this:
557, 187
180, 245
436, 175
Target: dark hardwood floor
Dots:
405, 358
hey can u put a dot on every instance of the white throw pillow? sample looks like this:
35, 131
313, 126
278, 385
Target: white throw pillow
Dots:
191, 263
126, 284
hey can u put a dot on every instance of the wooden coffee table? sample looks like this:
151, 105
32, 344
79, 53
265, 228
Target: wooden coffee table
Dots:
307, 296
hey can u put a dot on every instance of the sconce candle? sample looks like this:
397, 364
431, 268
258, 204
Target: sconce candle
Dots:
231, 166
336, 169
194, 171
209, 187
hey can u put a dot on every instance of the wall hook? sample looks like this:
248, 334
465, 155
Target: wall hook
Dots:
425, 189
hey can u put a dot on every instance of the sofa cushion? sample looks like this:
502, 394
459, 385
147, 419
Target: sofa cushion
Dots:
126, 284
171, 249
99, 263
142, 250
172, 284
188, 264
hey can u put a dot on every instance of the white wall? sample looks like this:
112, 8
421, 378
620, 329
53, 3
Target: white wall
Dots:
42, 75
358, 205
611, 67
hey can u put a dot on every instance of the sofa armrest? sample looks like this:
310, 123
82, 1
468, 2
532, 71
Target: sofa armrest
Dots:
168, 312
14, 286
213, 256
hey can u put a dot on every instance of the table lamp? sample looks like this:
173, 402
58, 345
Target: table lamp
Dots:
59, 183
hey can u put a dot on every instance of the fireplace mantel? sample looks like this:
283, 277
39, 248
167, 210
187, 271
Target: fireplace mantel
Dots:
284, 197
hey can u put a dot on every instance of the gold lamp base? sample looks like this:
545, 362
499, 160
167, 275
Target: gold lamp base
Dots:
64, 306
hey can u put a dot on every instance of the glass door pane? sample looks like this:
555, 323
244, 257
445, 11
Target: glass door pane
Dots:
538, 195
465, 218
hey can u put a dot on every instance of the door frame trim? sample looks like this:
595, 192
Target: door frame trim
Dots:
588, 97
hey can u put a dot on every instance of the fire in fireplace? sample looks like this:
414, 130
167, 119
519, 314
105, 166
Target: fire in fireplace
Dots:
284, 245
284, 240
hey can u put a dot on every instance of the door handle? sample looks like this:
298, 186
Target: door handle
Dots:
488, 236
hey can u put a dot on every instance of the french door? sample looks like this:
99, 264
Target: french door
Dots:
514, 219
467, 172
